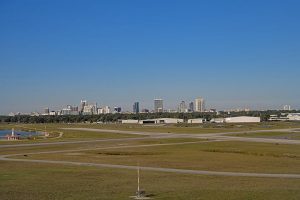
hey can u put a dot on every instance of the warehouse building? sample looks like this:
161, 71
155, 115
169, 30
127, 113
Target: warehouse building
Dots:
217, 120
242, 119
294, 116
153, 121
195, 121
129, 121
162, 121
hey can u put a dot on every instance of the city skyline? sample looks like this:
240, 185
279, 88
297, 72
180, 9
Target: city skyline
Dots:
240, 55
86, 107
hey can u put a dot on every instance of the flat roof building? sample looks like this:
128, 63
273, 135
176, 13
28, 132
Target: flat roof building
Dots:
162, 121
136, 107
195, 121
158, 105
242, 119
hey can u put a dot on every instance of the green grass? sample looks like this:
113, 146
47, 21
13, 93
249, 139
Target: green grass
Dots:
275, 135
55, 129
194, 128
30, 181
215, 156
89, 145
173, 128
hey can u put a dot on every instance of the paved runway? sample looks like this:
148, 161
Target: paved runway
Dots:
219, 136
155, 169
155, 135
211, 137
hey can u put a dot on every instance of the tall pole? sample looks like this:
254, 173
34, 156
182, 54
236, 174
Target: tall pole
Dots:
138, 181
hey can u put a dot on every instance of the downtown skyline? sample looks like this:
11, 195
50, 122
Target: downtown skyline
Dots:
241, 55
86, 107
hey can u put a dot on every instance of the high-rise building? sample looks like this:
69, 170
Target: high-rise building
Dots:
95, 108
70, 110
136, 107
158, 105
191, 107
88, 109
46, 111
287, 107
107, 109
82, 104
74, 108
199, 105
182, 107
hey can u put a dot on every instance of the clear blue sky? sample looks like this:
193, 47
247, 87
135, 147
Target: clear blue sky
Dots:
234, 53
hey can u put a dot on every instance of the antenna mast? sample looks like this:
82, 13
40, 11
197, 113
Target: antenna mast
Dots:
138, 189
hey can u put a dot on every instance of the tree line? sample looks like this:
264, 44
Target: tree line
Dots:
113, 118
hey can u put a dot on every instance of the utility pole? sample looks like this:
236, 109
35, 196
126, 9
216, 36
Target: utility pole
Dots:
138, 189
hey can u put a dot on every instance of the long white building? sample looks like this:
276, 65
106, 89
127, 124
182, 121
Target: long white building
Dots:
242, 119
195, 121
161, 121
294, 116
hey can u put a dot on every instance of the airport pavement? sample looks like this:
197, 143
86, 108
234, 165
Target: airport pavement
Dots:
218, 136
156, 135
209, 137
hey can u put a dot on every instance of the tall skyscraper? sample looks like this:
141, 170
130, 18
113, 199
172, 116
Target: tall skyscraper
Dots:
191, 107
136, 107
82, 104
158, 105
199, 105
182, 107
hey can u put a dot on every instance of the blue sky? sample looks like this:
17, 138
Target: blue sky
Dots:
233, 53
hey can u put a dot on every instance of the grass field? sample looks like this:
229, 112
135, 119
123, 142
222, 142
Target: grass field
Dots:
173, 128
279, 135
215, 156
29, 181
23, 180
